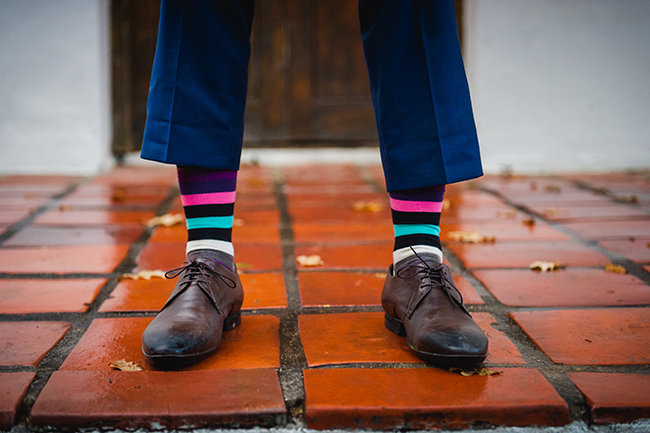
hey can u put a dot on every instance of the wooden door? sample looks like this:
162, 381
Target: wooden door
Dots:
308, 80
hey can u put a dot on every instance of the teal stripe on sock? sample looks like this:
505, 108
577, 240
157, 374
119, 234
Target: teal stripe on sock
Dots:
218, 222
416, 229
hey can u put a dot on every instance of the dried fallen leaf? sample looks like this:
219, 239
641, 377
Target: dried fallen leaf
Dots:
143, 275
367, 206
554, 189
313, 260
118, 196
507, 213
65, 207
167, 220
549, 212
254, 181
479, 371
124, 365
470, 237
530, 221
540, 265
616, 269
628, 198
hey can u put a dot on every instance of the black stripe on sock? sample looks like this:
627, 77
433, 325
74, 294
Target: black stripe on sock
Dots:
209, 210
419, 239
415, 217
209, 233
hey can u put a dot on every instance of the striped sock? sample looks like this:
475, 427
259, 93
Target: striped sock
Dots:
416, 221
208, 198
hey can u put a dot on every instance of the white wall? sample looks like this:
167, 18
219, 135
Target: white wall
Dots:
560, 84
54, 86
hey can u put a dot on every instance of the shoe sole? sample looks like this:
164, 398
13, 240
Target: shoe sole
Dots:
177, 361
439, 359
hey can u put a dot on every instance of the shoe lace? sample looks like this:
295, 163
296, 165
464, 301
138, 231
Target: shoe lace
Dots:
198, 272
430, 277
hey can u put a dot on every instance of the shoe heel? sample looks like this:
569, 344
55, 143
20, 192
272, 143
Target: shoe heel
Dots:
394, 325
232, 322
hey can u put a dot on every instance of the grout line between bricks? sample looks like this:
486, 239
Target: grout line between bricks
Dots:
292, 355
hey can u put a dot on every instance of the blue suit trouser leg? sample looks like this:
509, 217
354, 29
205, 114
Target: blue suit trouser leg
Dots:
419, 90
197, 95
195, 112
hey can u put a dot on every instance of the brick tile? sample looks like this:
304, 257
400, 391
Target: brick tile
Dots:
99, 217
337, 200
45, 181
344, 232
597, 337
26, 343
249, 257
636, 249
118, 200
471, 213
11, 216
611, 211
263, 233
13, 387
253, 344
343, 214
367, 256
614, 397
328, 189
318, 174
22, 203
397, 399
611, 229
23, 296
565, 288
59, 236
323, 289
522, 254
512, 230
151, 399
361, 337
261, 216
261, 290
66, 259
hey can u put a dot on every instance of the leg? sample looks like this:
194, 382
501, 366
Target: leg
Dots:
197, 95
427, 139
195, 120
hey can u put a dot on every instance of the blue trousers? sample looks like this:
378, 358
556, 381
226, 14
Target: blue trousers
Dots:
197, 96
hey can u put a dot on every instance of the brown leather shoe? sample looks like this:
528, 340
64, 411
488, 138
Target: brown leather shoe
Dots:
206, 302
422, 302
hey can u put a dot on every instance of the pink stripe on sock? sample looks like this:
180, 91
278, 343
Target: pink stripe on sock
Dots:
208, 198
415, 206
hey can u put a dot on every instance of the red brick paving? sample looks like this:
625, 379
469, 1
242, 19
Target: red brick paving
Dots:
429, 398
302, 321
13, 387
614, 397
47, 296
595, 336
26, 343
564, 288
154, 398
